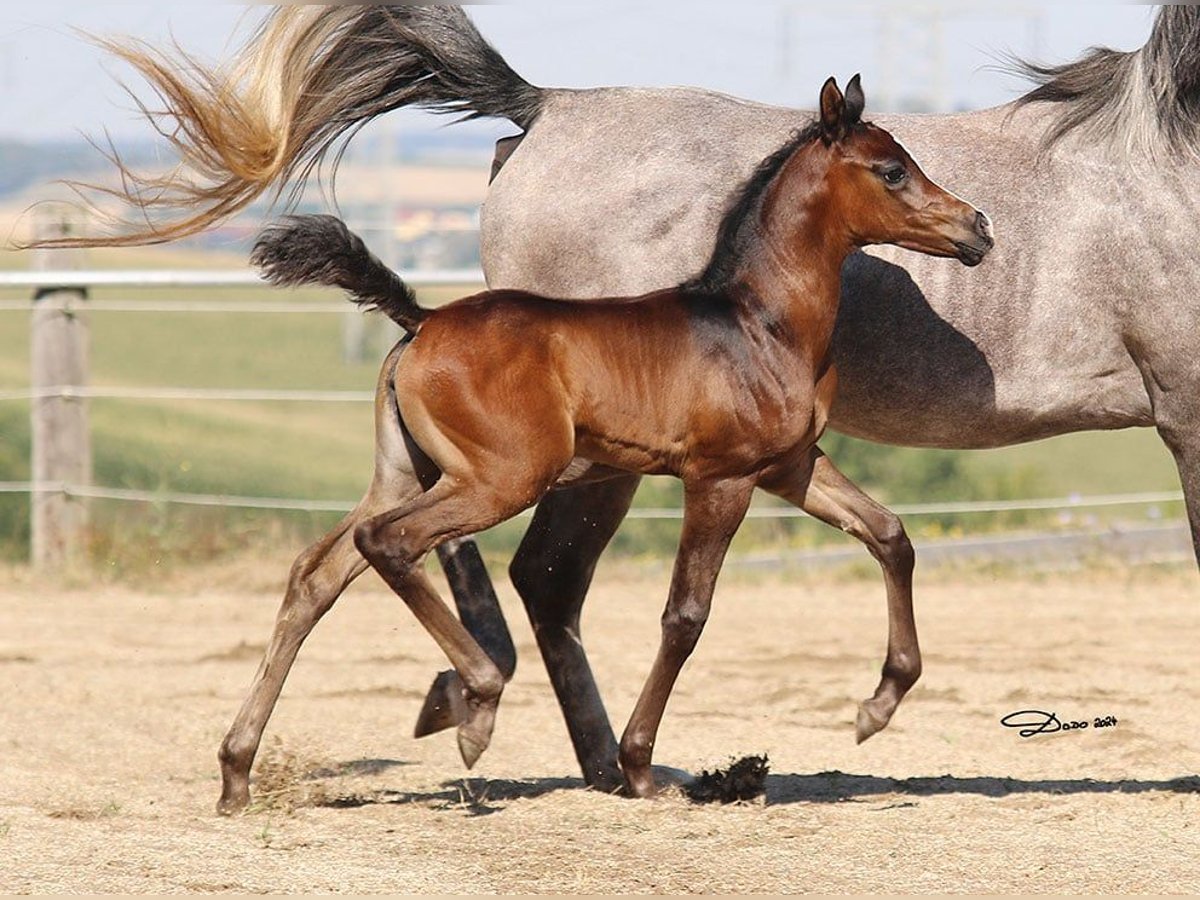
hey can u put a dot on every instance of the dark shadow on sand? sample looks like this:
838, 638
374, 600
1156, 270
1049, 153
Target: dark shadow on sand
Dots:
841, 787
474, 796
358, 767
483, 796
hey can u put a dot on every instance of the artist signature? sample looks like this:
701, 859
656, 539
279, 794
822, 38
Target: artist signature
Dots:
1034, 721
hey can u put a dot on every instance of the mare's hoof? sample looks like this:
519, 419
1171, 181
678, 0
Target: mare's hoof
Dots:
444, 706
606, 779
869, 721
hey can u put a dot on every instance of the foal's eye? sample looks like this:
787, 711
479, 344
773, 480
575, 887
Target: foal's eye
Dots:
894, 175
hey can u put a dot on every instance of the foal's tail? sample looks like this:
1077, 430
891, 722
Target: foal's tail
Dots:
322, 250
310, 77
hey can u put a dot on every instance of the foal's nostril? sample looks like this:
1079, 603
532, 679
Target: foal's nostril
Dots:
983, 225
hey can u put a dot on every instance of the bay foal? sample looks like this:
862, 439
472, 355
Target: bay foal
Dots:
724, 381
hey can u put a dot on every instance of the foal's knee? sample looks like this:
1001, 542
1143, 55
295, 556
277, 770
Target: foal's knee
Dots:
894, 548
682, 627
380, 548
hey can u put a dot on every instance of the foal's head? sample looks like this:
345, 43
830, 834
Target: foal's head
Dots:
877, 191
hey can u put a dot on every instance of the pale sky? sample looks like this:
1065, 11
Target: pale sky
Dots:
56, 85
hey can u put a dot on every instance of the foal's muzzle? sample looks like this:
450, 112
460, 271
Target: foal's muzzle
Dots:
971, 252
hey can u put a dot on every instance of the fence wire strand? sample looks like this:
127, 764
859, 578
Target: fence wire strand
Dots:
94, 492
76, 392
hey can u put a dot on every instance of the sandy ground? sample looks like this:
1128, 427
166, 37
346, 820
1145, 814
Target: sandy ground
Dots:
114, 702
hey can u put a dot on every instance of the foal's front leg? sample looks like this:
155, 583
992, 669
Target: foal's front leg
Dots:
317, 579
830, 496
712, 512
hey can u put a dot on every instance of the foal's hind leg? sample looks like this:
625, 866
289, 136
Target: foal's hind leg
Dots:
712, 513
395, 543
479, 611
830, 496
317, 579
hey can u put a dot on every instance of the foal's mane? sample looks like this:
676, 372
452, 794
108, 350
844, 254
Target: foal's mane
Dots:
738, 225
1145, 100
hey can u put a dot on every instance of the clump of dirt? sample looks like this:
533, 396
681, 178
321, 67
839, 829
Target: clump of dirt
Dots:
744, 779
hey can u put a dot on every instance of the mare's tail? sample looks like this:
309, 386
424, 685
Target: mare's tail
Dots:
322, 250
310, 77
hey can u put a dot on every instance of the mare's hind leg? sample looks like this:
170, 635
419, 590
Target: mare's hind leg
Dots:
712, 513
828, 495
395, 543
318, 577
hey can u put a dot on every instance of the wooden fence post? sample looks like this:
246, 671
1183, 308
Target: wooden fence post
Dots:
61, 440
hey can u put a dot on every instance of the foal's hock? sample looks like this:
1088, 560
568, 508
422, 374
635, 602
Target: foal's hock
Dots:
724, 381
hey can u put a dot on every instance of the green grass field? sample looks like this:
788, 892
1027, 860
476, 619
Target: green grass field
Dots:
324, 450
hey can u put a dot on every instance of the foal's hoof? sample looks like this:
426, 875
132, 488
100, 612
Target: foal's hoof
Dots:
667, 777
231, 804
870, 720
470, 749
444, 705
475, 734
655, 781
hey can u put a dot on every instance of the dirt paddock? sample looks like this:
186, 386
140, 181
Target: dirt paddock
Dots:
114, 702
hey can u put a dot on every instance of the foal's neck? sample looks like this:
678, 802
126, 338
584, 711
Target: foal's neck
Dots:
792, 279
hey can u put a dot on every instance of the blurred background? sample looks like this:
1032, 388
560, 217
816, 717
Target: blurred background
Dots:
222, 417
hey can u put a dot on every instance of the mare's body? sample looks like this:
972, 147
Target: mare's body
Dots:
1047, 340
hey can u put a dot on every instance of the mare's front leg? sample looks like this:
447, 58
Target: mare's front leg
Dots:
712, 512
826, 494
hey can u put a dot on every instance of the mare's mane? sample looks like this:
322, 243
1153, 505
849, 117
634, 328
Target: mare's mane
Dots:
1145, 100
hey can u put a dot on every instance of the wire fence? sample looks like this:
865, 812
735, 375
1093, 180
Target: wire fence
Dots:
87, 279
84, 279
78, 392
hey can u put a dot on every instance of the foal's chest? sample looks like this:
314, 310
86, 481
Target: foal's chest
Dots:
713, 420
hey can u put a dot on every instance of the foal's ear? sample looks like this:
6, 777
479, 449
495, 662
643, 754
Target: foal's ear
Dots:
855, 101
833, 108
